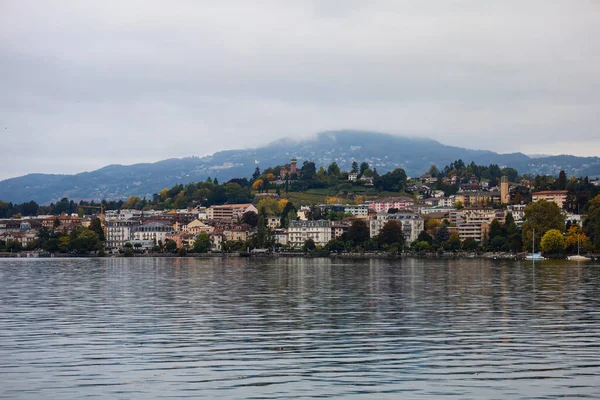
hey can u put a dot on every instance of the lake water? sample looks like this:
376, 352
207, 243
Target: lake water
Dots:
298, 328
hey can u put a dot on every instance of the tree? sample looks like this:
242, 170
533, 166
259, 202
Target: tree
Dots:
333, 169
358, 232
498, 243
363, 167
541, 216
96, 226
309, 245
171, 246
576, 238
354, 167
261, 233
425, 237
561, 182
470, 244
393, 181
250, 218
496, 229
308, 170
258, 185
335, 245
202, 243
442, 235
553, 241
256, 174
434, 171
391, 233
453, 242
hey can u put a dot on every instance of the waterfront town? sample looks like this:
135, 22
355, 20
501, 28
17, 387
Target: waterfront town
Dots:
461, 209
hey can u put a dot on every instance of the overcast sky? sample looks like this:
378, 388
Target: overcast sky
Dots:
89, 83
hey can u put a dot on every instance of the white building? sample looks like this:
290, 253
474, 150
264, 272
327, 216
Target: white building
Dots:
300, 231
412, 224
119, 232
155, 231
360, 210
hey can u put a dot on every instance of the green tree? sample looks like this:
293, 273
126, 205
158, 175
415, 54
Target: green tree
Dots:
393, 181
541, 216
170, 246
363, 167
335, 245
561, 182
358, 232
434, 171
202, 243
96, 226
256, 174
425, 237
553, 241
333, 169
250, 218
261, 232
391, 233
309, 245
354, 167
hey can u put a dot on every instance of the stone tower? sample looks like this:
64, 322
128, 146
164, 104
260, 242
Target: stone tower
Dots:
293, 162
504, 196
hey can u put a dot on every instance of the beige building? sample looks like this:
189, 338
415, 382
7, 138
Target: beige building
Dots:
412, 224
557, 197
300, 231
504, 195
229, 211
477, 231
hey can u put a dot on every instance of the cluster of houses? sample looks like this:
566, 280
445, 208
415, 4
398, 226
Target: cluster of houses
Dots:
147, 229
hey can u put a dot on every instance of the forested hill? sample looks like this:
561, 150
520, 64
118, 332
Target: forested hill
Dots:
382, 151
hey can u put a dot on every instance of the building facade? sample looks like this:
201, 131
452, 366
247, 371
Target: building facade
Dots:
300, 231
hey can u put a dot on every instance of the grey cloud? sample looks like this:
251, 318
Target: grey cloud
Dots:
86, 84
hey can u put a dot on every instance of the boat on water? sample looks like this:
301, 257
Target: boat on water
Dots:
578, 257
533, 255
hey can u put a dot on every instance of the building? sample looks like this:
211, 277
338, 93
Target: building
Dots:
300, 231
383, 205
476, 231
504, 194
518, 212
229, 211
155, 231
412, 224
237, 232
197, 226
289, 169
480, 198
339, 228
273, 222
352, 176
557, 197
359, 210
216, 240
119, 232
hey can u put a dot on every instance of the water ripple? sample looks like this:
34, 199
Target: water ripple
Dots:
298, 328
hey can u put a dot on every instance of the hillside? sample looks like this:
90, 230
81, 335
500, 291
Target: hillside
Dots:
384, 152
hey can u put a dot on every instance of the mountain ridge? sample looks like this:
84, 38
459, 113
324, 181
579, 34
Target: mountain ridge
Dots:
383, 151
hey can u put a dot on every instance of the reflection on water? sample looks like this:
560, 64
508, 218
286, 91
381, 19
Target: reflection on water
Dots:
301, 328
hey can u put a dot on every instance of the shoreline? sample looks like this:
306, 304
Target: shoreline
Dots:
356, 256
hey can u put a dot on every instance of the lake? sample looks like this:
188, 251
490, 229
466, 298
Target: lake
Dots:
298, 328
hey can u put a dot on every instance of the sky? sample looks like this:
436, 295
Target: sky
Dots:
85, 83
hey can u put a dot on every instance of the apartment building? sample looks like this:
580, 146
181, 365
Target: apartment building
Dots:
300, 231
